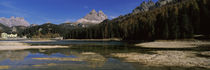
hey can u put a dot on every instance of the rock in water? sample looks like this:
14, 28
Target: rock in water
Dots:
10, 22
93, 17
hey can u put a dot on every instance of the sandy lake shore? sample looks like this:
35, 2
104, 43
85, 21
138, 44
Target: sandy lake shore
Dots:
111, 39
18, 45
168, 58
180, 58
173, 44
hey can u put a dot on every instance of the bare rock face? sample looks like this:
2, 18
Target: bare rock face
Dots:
146, 6
93, 17
10, 22
163, 2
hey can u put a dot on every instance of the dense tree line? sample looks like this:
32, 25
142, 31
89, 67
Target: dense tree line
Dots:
179, 20
46, 30
4, 28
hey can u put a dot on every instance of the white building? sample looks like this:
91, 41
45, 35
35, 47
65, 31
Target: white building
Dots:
5, 35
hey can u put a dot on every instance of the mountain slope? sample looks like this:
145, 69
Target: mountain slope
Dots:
4, 28
177, 20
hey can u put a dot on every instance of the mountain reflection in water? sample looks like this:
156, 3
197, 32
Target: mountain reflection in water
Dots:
53, 59
83, 57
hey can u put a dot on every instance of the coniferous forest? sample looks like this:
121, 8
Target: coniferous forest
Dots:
179, 20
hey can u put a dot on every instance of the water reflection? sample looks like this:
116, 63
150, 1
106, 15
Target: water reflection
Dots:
13, 55
64, 59
90, 57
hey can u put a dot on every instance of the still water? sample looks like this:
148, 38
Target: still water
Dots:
81, 55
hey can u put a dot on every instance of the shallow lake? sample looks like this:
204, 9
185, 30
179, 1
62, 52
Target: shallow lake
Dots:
82, 55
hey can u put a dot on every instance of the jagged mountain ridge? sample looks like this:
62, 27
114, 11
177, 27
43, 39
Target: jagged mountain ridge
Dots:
14, 21
93, 17
146, 6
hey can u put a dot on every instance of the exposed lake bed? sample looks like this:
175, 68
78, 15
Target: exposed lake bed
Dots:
173, 44
100, 55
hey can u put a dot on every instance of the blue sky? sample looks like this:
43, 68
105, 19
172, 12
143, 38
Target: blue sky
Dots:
59, 11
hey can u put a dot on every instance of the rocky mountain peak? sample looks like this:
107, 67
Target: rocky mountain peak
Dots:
146, 6
93, 12
93, 17
163, 2
101, 13
14, 21
151, 3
